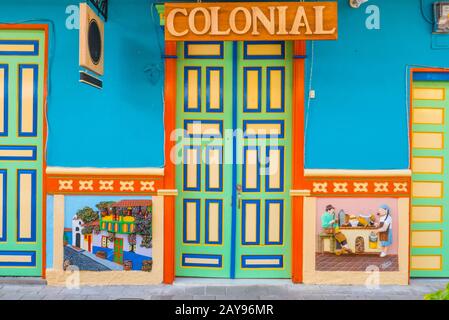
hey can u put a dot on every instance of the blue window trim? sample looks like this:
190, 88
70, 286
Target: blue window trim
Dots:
208, 188
280, 258
33, 174
208, 71
220, 221
32, 254
198, 221
35, 67
5, 89
186, 89
282, 165
244, 188
253, 136
20, 148
234, 159
198, 169
281, 222
202, 256
430, 76
4, 174
219, 122
282, 109
244, 242
35, 51
263, 57
188, 56
245, 89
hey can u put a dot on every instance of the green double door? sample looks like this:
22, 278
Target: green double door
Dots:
430, 163
233, 174
22, 68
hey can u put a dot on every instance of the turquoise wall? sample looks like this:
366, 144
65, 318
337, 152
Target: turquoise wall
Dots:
357, 121
121, 125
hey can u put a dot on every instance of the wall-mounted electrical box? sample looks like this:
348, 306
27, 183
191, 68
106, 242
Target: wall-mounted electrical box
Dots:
441, 14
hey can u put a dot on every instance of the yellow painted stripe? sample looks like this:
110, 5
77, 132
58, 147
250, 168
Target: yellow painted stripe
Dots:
2, 181
25, 205
199, 128
257, 262
214, 90
274, 213
252, 89
214, 215
428, 115
202, 261
192, 87
2, 101
192, 168
427, 189
252, 168
427, 239
274, 168
214, 168
27, 100
191, 221
427, 262
16, 153
263, 129
427, 165
427, 214
428, 94
251, 222
203, 49
428, 140
17, 48
264, 49
14, 258
276, 89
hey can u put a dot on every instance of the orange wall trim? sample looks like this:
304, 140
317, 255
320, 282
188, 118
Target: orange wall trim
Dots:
169, 180
298, 158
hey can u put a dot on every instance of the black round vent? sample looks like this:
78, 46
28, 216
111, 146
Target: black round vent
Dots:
94, 40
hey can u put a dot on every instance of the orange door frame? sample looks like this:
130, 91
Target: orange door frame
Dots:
169, 175
42, 27
297, 159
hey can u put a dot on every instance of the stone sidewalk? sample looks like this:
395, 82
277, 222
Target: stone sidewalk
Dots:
206, 289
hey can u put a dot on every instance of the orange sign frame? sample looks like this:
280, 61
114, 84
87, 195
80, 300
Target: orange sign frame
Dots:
236, 21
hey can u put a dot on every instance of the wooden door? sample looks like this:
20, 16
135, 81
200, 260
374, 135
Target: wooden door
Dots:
232, 218
22, 74
264, 176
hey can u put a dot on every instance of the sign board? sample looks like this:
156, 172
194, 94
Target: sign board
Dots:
251, 21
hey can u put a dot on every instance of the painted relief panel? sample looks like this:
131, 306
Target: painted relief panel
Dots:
356, 234
108, 233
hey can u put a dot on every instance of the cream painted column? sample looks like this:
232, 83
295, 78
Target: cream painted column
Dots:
58, 232
158, 239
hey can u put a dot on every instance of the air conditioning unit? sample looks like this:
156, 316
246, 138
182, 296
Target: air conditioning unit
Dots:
91, 40
441, 10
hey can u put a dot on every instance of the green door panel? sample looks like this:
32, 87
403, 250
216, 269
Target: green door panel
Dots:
430, 209
204, 204
211, 99
22, 69
263, 215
